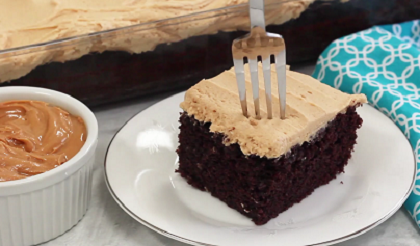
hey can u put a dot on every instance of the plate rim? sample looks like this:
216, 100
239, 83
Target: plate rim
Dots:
162, 232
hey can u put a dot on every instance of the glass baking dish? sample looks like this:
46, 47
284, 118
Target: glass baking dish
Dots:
173, 54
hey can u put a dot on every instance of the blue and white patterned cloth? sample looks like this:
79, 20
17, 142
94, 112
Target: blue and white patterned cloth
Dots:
382, 62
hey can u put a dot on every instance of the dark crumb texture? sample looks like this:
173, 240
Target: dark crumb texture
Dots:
262, 188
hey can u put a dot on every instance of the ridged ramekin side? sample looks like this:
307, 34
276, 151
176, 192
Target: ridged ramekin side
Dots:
39, 216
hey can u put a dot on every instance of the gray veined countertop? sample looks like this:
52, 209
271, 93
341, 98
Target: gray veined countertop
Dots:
106, 224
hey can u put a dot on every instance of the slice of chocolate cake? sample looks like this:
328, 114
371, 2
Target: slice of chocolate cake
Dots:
262, 167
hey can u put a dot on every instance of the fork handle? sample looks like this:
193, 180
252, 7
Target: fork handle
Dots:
256, 13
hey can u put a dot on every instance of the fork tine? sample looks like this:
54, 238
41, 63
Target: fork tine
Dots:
253, 67
240, 79
280, 61
267, 82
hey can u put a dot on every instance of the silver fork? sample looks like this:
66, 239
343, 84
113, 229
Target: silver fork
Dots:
259, 43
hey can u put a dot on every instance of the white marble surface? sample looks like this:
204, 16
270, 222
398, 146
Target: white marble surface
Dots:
106, 224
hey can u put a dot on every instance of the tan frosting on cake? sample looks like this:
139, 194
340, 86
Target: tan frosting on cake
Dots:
26, 22
310, 106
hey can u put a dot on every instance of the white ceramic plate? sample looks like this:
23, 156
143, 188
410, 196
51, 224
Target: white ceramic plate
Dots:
139, 171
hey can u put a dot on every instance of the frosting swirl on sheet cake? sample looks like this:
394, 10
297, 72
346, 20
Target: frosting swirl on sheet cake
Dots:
27, 22
310, 106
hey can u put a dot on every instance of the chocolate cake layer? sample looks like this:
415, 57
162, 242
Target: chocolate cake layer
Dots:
262, 188
97, 79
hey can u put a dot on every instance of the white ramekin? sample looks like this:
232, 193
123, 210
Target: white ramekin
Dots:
42, 207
